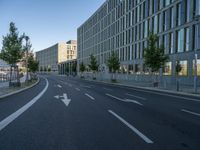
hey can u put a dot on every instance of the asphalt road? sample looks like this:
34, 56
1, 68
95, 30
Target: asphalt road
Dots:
62, 113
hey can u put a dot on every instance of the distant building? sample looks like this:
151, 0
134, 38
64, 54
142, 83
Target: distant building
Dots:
68, 67
52, 56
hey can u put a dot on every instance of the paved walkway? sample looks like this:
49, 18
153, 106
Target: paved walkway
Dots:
4, 86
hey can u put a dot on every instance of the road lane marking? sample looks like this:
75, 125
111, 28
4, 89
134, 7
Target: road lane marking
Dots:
20, 111
59, 86
114, 97
108, 89
125, 100
84, 86
142, 98
134, 101
89, 96
140, 134
190, 112
163, 94
77, 89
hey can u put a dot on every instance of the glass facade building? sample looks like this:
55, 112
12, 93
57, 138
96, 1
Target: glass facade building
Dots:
123, 26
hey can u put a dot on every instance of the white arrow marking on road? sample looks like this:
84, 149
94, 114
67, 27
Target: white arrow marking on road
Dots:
65, 99
59, 86
57, 97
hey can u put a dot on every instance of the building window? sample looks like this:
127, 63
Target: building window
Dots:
198, 67
178, 14
187, 40
171, 17
155, 25
180, 40
165, 44
168, 69
164, 20
187, 10
184, 66
171, 43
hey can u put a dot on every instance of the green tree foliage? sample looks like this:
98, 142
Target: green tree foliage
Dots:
12, 51
45, 69
49, 69
93, 63
33, 64
154, 57
82, 67
12, 46
113, 62
41, 69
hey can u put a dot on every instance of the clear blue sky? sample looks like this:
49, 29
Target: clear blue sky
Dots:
46, 22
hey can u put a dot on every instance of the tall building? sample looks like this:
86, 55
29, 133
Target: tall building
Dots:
60, 52
123, 26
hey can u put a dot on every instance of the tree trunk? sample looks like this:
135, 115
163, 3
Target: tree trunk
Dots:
10, 79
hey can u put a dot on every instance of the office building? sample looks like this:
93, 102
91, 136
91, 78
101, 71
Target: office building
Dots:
52, 56
123, 26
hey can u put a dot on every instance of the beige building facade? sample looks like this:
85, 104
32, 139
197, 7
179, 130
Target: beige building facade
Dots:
52, 56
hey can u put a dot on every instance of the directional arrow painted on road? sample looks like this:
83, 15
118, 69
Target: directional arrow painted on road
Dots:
65, 99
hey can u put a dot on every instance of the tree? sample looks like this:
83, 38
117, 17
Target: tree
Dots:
93, 65
113, 64
45, 69
154, 56
49, 69
12, 50
82, 69
32, 64
41, 69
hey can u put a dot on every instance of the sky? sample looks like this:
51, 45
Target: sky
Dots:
46, 22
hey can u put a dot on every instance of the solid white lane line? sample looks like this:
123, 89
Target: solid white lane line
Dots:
134, 101
108, 89
140, 134
89, 96
190, 112
142, 98
59, 86
163, 94
77, 89
16, 114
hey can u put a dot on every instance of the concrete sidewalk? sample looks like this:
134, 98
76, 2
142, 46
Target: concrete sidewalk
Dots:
4, 86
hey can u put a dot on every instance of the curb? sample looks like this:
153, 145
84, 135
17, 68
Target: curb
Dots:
147, 88
19, 91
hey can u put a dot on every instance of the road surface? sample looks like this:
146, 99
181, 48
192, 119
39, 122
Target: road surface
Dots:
62, 113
